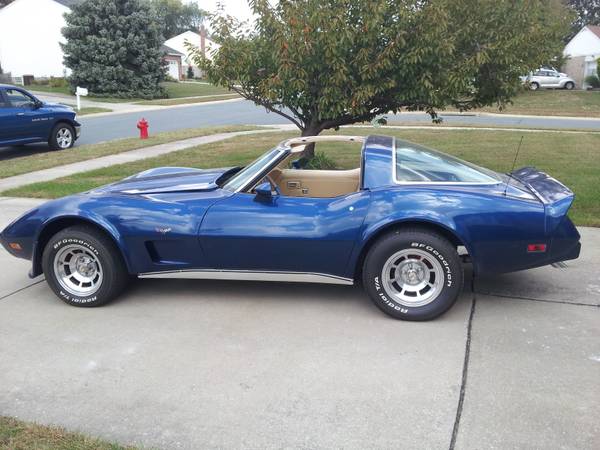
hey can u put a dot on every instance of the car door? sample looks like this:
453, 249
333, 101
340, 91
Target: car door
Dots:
553, 78
28, 124
5, 119
288, 234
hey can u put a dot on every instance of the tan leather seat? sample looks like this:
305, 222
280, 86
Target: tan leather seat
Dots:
316, 183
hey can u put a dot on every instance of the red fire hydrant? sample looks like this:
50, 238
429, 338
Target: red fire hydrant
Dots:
143, 127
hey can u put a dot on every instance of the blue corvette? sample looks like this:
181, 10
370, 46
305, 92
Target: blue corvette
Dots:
402, 222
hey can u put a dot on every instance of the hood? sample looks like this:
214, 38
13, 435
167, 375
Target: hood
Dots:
165, 180
58, 106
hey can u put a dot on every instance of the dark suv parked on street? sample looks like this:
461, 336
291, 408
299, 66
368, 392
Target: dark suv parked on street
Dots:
24, 119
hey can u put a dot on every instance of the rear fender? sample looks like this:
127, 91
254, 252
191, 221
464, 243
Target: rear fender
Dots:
441, 225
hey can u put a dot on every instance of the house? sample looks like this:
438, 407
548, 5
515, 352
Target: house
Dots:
174, 62
200, 40
583, 51
30, 37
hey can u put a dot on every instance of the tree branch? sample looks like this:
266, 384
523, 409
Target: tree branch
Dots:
266, 105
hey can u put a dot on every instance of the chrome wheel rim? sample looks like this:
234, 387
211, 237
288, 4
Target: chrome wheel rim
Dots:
64, 138
78, 270
413, 277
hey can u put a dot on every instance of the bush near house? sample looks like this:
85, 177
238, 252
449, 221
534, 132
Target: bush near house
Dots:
593, 81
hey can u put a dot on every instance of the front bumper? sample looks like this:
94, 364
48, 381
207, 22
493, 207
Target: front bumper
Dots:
77, 131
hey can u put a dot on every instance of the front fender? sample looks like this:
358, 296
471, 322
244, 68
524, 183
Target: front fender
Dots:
59, 221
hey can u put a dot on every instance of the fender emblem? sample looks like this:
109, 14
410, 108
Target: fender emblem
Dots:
162, 230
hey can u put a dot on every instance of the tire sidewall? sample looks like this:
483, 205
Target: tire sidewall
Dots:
63, 239
534, 86
569, 86
438, 249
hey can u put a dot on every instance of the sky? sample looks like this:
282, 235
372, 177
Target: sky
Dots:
236, 8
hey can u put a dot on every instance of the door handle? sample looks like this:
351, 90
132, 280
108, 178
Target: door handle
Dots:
20, 114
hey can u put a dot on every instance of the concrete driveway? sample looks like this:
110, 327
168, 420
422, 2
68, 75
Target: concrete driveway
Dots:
202, 364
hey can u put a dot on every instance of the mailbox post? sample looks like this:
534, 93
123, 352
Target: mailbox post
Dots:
79, 92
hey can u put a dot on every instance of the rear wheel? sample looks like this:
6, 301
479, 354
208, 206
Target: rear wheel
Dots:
413, 274
62, 137
83, 267
534, 86
569, 85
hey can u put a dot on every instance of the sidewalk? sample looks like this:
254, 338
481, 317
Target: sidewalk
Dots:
71, 100
119, 158
126, 107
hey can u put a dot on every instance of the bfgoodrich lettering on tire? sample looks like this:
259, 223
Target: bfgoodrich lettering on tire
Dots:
83, 266
413, 274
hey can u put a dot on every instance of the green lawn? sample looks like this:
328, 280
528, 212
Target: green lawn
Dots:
19, 435
551, 102
192, 89
174, 90
55, 158
92, 110
572, 158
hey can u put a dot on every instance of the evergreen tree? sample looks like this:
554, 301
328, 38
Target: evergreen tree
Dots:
113, 49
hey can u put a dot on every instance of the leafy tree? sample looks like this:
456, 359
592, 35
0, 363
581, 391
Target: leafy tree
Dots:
587, 13
326, 63
113, 48
177, 17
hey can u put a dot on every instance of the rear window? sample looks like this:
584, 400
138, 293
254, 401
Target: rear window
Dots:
416, 164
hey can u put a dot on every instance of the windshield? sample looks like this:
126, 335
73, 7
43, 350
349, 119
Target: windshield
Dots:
420, 164
250, 172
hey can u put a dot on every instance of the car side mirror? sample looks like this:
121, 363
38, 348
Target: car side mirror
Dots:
37, 104
265, 192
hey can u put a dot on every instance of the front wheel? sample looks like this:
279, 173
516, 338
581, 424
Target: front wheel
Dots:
569, 86
413, 274
83, 266
62, 137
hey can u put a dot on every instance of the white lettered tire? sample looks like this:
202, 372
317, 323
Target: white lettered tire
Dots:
413, 274
84, 267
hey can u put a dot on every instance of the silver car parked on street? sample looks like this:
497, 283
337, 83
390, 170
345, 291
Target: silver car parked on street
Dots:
548, 78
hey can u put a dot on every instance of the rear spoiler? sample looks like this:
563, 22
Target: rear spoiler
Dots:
556, 197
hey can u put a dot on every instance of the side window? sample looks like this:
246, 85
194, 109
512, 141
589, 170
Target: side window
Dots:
3, 103
18, 99
539, 73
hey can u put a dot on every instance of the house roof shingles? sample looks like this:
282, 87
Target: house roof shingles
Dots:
594, 29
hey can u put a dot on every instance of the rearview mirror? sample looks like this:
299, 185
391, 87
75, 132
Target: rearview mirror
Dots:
265, 191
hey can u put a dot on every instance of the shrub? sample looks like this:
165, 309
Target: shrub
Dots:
57, 82
190, 72
320, 162
593, 81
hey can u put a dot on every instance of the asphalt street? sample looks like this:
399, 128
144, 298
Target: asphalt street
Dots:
115, 126
182, 364
109, 126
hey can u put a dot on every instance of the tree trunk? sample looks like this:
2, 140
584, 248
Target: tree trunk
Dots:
309, 152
